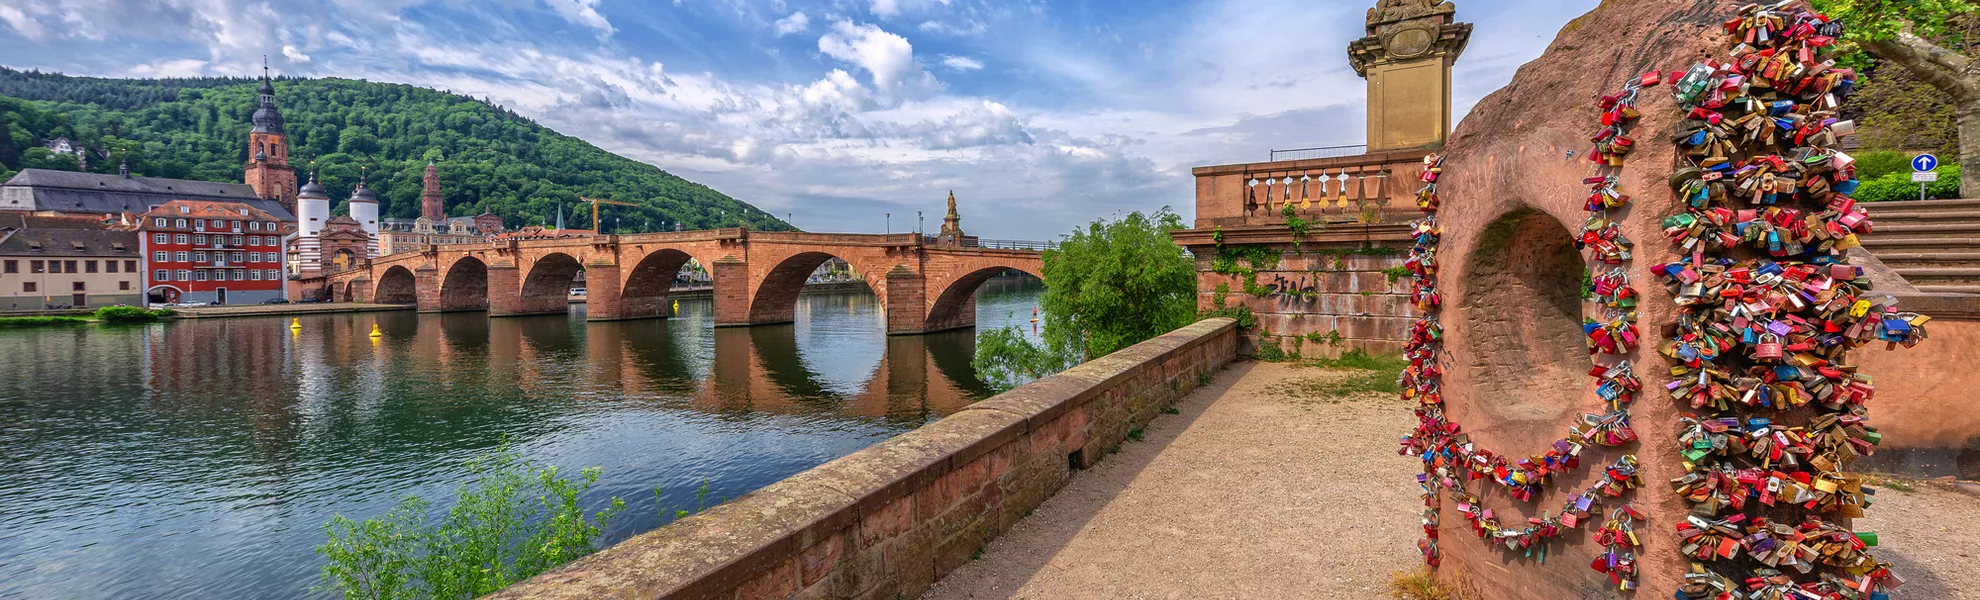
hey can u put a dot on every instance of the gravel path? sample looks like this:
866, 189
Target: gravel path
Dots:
1240, 496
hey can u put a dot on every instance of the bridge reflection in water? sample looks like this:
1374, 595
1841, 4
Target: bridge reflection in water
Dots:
234, 440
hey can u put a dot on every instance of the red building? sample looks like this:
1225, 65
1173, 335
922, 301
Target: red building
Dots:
213, 252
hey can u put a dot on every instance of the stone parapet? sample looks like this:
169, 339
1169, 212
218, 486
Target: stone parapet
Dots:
888, 521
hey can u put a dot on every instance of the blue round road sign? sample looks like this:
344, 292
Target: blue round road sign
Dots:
1924, 162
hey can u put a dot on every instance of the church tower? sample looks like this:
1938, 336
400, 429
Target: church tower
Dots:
267, 169
432, 205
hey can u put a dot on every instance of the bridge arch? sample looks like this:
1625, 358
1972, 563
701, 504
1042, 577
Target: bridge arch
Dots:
953, 303
546, 288
395, 286
644, 292
465, 285
775, 293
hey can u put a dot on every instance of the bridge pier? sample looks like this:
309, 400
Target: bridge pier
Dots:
730, 276
426, 288
505, 297
603, 292
906, 302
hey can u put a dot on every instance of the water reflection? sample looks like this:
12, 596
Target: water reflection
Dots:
201, 458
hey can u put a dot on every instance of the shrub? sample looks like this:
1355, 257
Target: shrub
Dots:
513, 521
1898, 186
1878, 163
125, 314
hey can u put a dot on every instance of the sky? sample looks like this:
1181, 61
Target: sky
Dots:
1041, 115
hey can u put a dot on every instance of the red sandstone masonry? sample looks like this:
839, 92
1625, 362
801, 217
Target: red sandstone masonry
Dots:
887, 521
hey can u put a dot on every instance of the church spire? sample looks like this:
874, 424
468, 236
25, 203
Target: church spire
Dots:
266, 118
432, 205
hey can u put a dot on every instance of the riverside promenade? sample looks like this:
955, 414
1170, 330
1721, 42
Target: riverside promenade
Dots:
1263, 485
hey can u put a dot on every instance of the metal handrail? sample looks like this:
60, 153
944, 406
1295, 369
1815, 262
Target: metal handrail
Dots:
1015, 245
1319, 152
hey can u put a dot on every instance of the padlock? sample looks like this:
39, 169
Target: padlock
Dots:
1769, 347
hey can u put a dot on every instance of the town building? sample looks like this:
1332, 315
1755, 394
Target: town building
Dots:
66, 261
433, 226
212, 252
97, 195
324, 243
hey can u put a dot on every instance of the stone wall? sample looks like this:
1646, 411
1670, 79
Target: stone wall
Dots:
888, 521
1322, 296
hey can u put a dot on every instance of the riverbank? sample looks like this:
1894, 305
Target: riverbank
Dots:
264, 310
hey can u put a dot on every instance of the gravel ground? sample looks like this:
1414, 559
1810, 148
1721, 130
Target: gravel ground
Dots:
1240, 496
1224, 500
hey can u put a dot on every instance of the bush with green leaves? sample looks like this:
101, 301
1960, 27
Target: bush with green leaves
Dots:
126, 314
1878, 163
38, 321
1898, 186
1108, 286
512, 521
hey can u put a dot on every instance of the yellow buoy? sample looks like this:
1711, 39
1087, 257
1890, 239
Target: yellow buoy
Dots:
295, 323
375, 332
677, 307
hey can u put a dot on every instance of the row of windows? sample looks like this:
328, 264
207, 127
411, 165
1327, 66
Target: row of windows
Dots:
183, 256
238, 275
29, 286
201, 224
68, 266
252, 240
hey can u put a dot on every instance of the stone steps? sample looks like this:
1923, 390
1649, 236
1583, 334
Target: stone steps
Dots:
1933, 244
1884, 219
1923, 276
1949, 258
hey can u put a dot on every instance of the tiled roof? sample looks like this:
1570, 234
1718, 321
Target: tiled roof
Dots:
76, 192
197, 209
35, 238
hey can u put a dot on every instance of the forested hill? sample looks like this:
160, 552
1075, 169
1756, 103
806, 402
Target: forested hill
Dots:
490, 159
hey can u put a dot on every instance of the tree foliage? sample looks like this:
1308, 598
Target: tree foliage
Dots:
1108, 286
1899, 112
492, 160
513, 521
1937, 42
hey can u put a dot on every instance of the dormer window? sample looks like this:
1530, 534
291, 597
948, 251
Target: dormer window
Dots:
78, 246
183, 209
179, 223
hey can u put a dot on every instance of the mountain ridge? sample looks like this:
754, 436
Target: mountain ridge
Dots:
491, 159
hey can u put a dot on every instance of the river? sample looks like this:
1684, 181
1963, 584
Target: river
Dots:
202, 458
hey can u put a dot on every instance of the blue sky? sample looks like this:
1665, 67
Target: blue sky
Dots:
1041, 115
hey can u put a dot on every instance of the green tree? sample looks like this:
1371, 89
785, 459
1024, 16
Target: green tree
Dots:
1109, 285
1935, 41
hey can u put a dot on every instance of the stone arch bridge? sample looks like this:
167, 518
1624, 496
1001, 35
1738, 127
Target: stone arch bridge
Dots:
922, 286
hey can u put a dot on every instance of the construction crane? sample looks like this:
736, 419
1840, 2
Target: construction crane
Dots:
594, 209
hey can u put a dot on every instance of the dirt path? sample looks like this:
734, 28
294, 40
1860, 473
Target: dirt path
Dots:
1242, 495
1239, 496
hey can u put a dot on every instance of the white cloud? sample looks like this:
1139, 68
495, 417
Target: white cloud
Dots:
961, 63
886, 57
795, 23
582, 12
29, 27
178, 67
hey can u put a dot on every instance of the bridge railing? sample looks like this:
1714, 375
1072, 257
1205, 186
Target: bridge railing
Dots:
1012, 244
1318, 152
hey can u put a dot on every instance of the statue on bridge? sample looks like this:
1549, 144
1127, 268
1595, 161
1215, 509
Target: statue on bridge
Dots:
952, 233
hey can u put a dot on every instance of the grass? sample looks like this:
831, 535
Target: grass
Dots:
25, 322
1417, 584
1891, 482
1170, 410
1362, 360
1136, 435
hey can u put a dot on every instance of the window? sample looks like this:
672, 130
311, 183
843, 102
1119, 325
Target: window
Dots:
199, 224
89, 266
180, 239
181, 256
109, 266
269, 227
199, 257
237, 256
13, 266
161, 239
161, 257
254, 226
76, 287
161, 275
237, 240
183, 275
34, 266
158, 221
240, 276
124, 286
68, 265
27, 286
199, 276
183, 209
199, 239
236, 225
130, 266
254, 275
180, 223
274, 274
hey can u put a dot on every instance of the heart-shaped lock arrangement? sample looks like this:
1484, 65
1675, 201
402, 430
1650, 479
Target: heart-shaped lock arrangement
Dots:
1768, 310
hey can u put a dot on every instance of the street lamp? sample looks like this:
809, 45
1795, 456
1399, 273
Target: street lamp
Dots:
890, 223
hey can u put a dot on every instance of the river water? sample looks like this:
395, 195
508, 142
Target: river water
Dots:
202, 458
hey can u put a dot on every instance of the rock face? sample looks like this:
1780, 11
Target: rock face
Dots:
1513, 200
